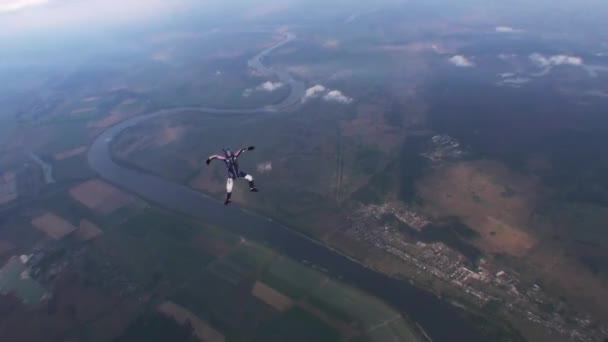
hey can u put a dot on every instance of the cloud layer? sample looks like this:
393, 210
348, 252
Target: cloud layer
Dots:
314, 91
555, 60
269, 86
17, 5
330, 95
507, 29
264, 167
52, 16
337, 96
461, 61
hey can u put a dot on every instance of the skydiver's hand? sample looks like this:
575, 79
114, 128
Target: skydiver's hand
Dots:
250, 148
208, 161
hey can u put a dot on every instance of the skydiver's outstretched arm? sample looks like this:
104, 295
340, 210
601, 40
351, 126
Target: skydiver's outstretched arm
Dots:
215, 156
250, 148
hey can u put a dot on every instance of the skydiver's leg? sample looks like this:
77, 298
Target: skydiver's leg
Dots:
229, 185
249, 178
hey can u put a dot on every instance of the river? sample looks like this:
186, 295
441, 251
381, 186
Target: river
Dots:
441, 320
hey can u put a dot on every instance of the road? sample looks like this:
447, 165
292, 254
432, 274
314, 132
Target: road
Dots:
441, 320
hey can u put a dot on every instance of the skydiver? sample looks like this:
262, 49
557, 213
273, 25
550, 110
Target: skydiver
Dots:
232, 166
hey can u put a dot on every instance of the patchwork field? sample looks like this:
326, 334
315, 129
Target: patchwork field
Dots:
272, 297
101, 197
347, 310
495, 202
201, 328
53, 226
386, 84
70, 153
88, 231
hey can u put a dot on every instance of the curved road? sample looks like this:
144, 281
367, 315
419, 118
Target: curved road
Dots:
440, 320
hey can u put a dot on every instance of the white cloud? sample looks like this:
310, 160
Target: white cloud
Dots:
331, 43
266, 86
506, 56
461, 61
507, 29
314, 91
514, 82
337, 96
555, 60
330, 95
270, 86
264, 167
17, 5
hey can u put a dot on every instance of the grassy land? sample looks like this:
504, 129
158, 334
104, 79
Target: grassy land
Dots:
155, 243
155, 327
66, 136
339, 301
295, 325
251, 256
70, 169
352, 303
291, 278
63, 205
155, 247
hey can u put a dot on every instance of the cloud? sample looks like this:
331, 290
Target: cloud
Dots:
264, 167
337, 96
266, 86
314, 91
331, 43
506, 56
331, 95
461, 61
18, 5
555, 60
269, 86
514, 82
263, 10
507, 29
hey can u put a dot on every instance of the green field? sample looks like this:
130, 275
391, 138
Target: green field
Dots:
62, 204
11, 281
393, 331
296, 325
291, 278
155, 327
252, 256
157, 243
70, 169
340, 301
351, 303
66, 136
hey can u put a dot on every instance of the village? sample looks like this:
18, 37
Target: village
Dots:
481, 283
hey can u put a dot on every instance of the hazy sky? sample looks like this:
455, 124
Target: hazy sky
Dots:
25, 16
49, 16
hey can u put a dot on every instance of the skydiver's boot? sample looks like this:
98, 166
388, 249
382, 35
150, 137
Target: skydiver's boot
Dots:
228, 196
252, 187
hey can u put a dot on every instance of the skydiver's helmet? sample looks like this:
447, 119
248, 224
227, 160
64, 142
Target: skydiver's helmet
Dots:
228, 153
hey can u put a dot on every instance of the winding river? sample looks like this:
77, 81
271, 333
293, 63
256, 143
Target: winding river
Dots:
440, 320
